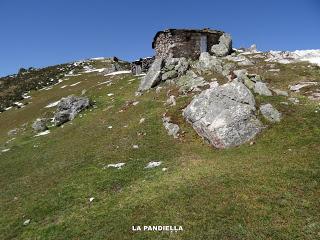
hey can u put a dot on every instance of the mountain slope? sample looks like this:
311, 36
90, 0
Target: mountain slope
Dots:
268, 190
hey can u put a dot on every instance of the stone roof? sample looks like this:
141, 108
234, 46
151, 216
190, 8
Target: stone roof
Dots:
177, 31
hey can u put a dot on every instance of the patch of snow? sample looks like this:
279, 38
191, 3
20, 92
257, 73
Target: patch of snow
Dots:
97, 58
135, 103
110, 94
110, 127
90, 69
135, 146
91, 199
116, 165
142, 120
117, 73
42, 133
26, 222
26, 96
285, 57
53, 104
8, 108
153, 164
75, 84
5, 150
64, 86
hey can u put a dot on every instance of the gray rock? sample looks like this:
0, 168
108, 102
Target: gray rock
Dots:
69, 107
224, 47
182, 66
153, 75
262, 89
171, 101
209, 63
224, 115
280, 92
40, 125
172, 129
270, 113
169, 75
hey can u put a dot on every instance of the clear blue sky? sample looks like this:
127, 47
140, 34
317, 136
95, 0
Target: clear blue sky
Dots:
45, 32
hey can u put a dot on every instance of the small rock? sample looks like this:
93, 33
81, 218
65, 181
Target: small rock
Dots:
26, 222
142, 120
153, 164
280, 92
270, 113
135, 146
116, 165
40, 125
262, 89
172, 129
171, 101
91, 199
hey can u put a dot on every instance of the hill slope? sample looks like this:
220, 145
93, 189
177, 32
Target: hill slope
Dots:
268, 190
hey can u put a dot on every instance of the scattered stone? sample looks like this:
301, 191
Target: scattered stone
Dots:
280, 92
158, 89
172, 129
26, 222
164, 169
224, 115
116, 165
91, 199
314, 96
270, 113
40, 125
224, 47
262, 89
110, 94
5, 150
294, 100
110, 127
171, 101
69, 107
142, 120
153, 75
13, 132
153, 164
135, 103
299, 86
135, 146
284, 103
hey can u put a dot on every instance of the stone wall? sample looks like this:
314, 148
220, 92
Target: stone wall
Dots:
183, 43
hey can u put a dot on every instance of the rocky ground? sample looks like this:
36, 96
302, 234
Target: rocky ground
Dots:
227, 147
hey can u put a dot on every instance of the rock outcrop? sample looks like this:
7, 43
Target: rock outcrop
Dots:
224, 115
224, 47
69, 107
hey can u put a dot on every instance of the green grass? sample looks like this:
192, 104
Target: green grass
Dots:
269, 190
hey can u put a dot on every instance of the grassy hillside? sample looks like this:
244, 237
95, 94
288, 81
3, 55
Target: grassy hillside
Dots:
268, 190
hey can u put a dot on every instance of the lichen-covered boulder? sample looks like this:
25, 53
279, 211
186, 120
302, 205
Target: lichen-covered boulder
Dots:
69, 107
224, 115
153, 75
172, 128
224, 47
270, 113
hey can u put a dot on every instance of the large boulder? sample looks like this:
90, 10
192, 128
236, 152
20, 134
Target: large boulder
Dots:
40, 125
270, 113
153, 75
212, 63
224, 47
224, 115
69, 107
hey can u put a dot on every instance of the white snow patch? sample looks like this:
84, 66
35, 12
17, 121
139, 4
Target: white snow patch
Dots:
117, 73
53, 104
285, 57
42, 133
64, 86
75, 84
6, 150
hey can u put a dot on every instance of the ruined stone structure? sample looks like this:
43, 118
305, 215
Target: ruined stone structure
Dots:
142, 65
187, 43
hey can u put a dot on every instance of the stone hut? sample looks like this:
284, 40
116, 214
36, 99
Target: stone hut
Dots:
187, 43
141, 65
